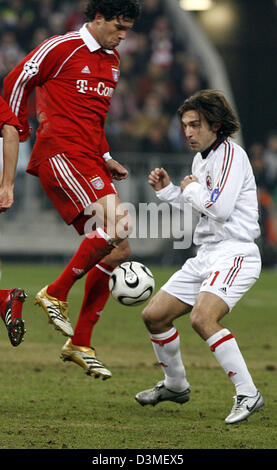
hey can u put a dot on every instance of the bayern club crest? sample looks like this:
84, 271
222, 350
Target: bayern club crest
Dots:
115, 73
97, 183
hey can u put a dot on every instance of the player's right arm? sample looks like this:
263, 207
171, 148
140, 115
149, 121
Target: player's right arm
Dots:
158, 179
9, 129
165, 189
37, 67
10, 157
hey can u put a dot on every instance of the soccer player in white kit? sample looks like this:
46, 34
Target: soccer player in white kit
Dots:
222, 190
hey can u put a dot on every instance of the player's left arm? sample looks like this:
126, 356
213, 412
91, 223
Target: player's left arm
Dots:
219, 202
10, 156
118, 171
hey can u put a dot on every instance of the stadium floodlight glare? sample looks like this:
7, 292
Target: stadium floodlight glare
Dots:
196, 5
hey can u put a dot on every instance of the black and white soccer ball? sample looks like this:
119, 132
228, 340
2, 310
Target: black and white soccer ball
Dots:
131, 283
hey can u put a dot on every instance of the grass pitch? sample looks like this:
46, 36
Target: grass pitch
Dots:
48, 404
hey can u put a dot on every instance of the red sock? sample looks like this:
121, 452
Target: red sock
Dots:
96, 295
91, 250
4, 298
16, 305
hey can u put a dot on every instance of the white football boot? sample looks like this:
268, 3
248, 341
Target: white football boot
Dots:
243, 407
56, 310
161, 393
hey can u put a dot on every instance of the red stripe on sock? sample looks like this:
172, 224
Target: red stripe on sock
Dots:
161, 342
226, 338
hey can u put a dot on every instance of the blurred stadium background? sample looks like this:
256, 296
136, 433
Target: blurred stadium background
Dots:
176, 48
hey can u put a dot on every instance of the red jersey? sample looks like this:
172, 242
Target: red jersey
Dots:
74, 79
7, 116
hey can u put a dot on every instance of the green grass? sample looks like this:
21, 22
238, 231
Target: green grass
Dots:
48, 404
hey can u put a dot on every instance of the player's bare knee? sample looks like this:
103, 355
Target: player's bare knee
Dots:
197, 320
124, 227
149, 316
123, 252
146, 315
119, 255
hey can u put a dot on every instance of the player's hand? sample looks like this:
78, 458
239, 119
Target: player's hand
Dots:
187, 180
6, 198
158, 179
117, 170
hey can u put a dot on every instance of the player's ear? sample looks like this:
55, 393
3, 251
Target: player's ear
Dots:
216, 126
99, 18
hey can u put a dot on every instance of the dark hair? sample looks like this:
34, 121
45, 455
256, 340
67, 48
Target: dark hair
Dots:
216, 110
110, 9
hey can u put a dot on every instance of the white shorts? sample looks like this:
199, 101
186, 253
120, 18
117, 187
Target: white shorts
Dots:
227, 269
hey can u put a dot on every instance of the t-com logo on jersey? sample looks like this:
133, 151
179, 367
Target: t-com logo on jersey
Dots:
101, 89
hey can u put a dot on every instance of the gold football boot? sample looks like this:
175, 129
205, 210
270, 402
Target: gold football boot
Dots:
86, 358
56, 310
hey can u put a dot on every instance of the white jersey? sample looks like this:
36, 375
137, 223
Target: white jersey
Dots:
225, 195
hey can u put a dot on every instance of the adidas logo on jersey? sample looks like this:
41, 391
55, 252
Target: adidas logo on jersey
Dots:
86, 69
223, 289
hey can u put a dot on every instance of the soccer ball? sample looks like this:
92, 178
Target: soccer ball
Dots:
131, 283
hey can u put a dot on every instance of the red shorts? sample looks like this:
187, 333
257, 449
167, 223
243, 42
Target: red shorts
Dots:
73, 185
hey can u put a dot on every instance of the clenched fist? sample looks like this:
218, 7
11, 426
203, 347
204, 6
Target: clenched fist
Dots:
187, 180
158, 179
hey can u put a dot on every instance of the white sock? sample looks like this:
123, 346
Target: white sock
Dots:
227, 352
167, 349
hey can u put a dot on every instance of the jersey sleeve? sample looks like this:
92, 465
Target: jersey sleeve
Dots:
171, 194
7, 116
219, 202
37, 67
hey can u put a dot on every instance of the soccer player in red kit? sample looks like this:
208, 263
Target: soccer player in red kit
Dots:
75, 76
11, 300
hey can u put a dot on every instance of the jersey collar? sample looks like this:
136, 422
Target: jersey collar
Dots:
213, 147
89, 40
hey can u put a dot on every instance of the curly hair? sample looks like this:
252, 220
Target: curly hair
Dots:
110, 9
216, 110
